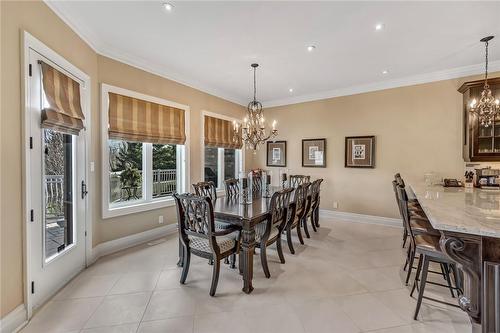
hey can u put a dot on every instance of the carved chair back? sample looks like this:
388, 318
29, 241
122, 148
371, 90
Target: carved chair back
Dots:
206, 189
278, 209
315, 193
298, 206
296, 180
232, 187
195, 217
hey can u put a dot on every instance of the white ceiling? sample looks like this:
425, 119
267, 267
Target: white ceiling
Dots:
210, 45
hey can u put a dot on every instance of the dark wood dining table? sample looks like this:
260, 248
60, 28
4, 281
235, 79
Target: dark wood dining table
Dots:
247, 216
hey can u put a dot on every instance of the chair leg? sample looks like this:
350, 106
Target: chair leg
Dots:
419, 268
448, 280
280, 250
312, 223
299, 234
306, 230
423, 280
405, 237
226, 260
215, 277
263, 260
410, 266
289, 240
233, 261
185, 265
316, 217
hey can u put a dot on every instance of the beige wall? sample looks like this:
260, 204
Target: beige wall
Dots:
418, 129
41, 22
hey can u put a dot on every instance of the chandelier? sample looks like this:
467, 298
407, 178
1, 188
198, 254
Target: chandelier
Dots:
253, 130
488, 107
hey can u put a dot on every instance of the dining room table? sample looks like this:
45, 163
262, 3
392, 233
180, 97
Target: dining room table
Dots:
229, 209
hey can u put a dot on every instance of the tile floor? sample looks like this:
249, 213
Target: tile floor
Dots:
347, 278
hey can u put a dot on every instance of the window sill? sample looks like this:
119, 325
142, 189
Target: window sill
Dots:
137, 208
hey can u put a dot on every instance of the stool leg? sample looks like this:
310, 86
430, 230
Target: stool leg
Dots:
419, 268
423, 280
448, 280
410, 266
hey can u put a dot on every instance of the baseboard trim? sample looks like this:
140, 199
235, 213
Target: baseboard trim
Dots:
15, 320
362, 218
123, 243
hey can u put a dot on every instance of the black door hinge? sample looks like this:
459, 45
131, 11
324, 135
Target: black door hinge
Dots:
32, 287
31, 142
32, 218
30, 70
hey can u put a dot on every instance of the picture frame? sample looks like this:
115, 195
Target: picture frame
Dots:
359, 151
276, 154
314, 153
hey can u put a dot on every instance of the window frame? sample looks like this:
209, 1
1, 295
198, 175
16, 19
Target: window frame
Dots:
239, 156
147, 202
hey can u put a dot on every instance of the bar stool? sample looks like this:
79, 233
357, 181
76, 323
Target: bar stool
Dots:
428, 249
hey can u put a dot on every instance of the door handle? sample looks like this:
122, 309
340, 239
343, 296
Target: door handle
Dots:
84, 189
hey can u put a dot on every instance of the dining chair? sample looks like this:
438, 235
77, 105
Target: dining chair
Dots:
269, 231
199, 236
232, 187
296, 180
206, 189
428, 248
296, 214
312, 208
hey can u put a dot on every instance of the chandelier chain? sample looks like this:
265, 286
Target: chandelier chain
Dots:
486, 66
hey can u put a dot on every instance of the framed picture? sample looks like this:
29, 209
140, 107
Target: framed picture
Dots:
360, 151
276, 153
314, 153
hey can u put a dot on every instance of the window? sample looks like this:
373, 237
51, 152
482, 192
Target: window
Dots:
139, 176
223, 157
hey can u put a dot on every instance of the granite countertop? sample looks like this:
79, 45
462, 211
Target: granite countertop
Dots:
465, 210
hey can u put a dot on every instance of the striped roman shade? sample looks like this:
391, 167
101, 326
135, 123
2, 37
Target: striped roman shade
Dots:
219, 133
133, 119
64, 113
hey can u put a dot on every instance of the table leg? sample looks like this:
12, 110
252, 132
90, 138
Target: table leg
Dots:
248, 246
465, 250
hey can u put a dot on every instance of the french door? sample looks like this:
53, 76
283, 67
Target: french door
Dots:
57, 225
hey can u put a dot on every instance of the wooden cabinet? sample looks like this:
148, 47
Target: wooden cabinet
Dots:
479, 143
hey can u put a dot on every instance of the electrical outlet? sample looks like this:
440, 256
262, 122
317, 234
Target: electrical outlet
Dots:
160, 219
335, 205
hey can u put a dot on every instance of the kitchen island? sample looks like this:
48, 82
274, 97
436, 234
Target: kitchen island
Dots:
469, 222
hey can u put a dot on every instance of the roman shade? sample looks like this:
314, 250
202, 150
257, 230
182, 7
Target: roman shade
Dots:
133, 119
64, 113
219, 133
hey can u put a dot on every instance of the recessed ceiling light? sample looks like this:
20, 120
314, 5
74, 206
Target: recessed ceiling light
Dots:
290, 90
385, 71
168, 6
379, 26
311, 48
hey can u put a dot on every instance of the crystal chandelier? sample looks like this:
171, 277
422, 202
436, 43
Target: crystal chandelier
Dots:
488, 107
253, 131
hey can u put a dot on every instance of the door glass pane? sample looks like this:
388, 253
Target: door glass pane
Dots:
125, 171
58, 191
164, 170
229, 163
211, 165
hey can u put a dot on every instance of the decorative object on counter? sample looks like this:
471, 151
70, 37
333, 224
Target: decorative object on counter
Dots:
266, 183
253, 133
246, 188
488, 106
359, 152
486, 178
276, 153
314, 153
451, 182
469, 178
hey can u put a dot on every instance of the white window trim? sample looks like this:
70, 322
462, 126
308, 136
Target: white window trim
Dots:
183, 160
240, 162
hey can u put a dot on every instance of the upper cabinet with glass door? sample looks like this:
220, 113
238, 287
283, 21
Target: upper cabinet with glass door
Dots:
480, 143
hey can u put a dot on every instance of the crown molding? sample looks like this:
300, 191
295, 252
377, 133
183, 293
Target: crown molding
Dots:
106, 50
395, 83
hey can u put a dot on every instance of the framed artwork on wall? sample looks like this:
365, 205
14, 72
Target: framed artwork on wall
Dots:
314, 153
276, 153
360, 152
